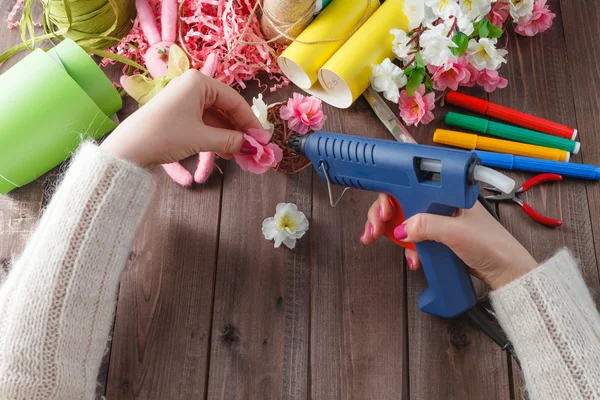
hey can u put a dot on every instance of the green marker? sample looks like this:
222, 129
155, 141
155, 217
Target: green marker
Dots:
482, 125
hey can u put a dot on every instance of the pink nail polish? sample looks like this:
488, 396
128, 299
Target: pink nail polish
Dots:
247, 149
370, 230
410, 265
400, 232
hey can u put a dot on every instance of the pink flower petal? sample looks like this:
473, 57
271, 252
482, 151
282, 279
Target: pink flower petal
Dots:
285, 113
261, 136
277, 153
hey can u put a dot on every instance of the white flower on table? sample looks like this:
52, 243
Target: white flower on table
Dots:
288, 225
388, 78
260, 109
484, 54
400, 45
521, 9
443, 8
436, 45
476, 9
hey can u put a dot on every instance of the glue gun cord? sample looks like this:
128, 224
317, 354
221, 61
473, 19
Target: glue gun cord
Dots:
479, 316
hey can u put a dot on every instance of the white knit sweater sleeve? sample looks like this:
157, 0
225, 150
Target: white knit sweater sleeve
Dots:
554, 326
58, 301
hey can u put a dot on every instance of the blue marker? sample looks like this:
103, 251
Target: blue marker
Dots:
508, 161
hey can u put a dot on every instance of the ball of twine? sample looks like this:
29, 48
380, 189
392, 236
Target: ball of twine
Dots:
95, 23
285, 19
291, 163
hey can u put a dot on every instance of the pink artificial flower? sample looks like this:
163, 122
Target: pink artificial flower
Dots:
540, 20
449, 75
473, 72
490, 80
267, 154
499, 13
303, 114
417, 108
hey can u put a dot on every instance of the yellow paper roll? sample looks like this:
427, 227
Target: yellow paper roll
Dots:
346, 74
301, 62
339, 73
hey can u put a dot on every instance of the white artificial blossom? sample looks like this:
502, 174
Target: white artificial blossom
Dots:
436, 45
521, 9
288, 225
484, 55
400, 45
476, 9
443, 8
260, 109
415, 12
388, 78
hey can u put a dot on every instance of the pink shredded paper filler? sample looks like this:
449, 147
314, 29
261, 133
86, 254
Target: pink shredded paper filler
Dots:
216, 26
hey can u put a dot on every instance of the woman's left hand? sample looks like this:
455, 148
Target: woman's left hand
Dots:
179, 122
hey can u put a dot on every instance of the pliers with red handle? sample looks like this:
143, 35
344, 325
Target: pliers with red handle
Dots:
512, 196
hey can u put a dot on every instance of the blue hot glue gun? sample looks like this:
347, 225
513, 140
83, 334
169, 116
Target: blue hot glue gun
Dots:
422, 179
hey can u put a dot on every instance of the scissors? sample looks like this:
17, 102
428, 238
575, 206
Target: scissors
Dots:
513, 196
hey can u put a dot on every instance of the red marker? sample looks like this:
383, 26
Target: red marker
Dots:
485, 107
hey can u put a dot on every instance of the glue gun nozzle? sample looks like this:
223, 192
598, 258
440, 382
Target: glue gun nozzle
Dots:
296, 143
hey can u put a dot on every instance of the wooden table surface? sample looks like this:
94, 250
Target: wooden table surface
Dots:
209, 309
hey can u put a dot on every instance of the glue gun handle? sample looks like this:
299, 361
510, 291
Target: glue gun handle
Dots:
450, 292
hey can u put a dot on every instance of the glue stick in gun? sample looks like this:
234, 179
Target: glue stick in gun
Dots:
408, 172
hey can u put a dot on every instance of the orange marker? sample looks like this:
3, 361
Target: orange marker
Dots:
472, 142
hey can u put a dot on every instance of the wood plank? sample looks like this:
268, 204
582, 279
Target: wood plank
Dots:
580, 26
260, 333
539, 84
450, 359
161, 334
358, 304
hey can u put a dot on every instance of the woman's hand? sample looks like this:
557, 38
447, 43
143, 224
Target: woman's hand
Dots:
179, 122
491, 252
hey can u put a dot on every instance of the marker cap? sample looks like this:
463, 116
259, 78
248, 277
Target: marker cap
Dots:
467, 122
469, 102
457, 139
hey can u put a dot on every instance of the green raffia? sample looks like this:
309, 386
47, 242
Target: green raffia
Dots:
94, 24
115, 57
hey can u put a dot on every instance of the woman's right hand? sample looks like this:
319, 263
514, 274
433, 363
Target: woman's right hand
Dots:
490, 251
181, 121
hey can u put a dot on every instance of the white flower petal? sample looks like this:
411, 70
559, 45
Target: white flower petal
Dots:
521, 9
415, 12
289, 242
476, 9
443, 8
465, 24
261, 110
268, 228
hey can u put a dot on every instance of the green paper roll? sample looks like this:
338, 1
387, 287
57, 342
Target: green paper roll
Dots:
49, 103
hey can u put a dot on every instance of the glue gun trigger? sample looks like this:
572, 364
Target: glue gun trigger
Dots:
397, 219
